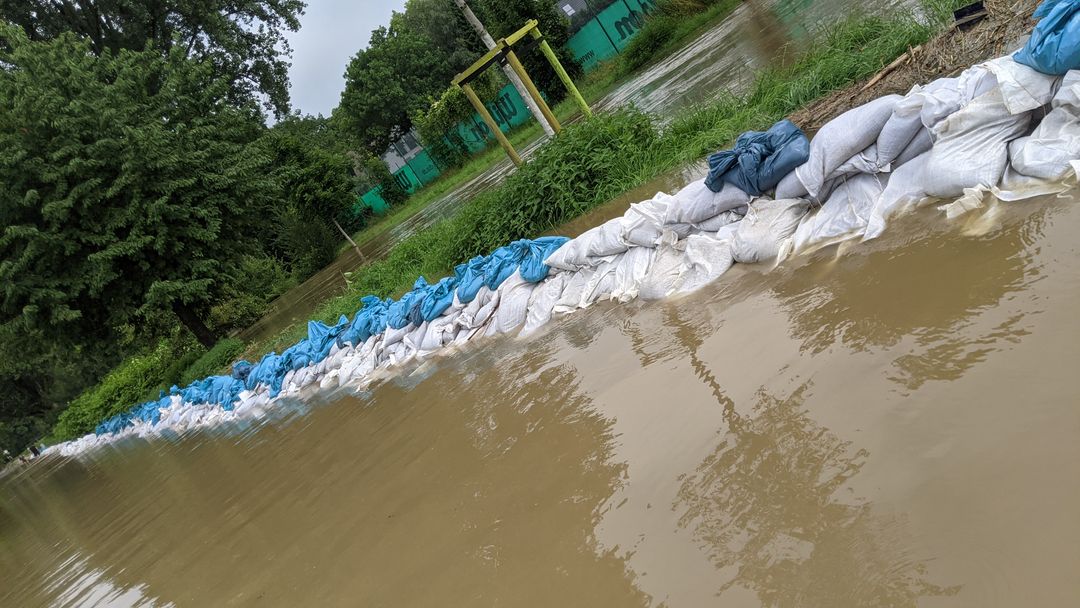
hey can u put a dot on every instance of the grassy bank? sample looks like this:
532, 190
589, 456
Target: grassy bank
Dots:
589, 163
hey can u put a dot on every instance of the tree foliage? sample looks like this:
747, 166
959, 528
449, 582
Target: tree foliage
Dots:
244, 40
129, 184
390, 80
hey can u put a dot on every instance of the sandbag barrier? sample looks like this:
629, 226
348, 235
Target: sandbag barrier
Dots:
1000, 127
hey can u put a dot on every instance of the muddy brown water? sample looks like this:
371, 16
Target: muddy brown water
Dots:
895, 425
757, 34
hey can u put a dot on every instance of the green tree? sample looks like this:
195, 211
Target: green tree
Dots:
243, 39
131, 186
315, 193
398, 74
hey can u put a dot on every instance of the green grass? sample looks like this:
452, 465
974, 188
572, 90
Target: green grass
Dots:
591, 162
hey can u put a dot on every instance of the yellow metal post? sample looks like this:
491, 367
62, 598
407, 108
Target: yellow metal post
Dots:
490, 122
545, 48
512, 59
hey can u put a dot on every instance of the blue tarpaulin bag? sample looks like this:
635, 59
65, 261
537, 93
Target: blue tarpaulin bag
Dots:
759, 159
439, 297
470, 276
532, 268
503, 262
370, 320
1054, 46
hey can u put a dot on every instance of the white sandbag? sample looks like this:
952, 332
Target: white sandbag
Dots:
393, 336
571, 294
945, 96
680, 230
514, 294
905, 188
790, 187
920, 144
665, 273
706, 258
843, 216
1022, 88
644, 222
542, 302
842, 138
593, 244
601, 282
467, 318
414, 339
630, 271
901, 128
441, 331
1046, 153
606, 239
715, 224
571, 256
696, 203
971, 146
768, 223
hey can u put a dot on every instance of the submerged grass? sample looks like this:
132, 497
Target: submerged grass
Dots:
595, 160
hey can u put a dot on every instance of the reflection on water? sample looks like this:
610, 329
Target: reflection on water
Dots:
894, 426
768, 506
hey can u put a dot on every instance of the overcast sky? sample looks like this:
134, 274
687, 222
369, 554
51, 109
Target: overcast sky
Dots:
331, 32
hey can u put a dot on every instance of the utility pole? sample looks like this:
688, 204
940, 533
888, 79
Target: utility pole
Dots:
489, 42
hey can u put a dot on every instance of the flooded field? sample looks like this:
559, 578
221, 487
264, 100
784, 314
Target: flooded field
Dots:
757, 34
892, 426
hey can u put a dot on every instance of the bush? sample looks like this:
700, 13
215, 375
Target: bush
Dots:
214, 361
309, 245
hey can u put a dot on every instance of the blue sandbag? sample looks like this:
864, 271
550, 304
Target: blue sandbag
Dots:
438, 299
532, 267
759, 160
370, 320
398, 315
217, 390
470, 277
270, 371
1054, 45
241, 370
424, 303
502, 263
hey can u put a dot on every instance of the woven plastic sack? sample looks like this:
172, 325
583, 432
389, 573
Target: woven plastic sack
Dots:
767, 224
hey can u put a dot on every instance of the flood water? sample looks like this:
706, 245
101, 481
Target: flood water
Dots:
892, 426
757, 34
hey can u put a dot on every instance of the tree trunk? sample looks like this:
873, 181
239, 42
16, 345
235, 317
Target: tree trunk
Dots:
194, 324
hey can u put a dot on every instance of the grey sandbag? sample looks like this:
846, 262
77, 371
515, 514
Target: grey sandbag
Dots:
790, 187
759, 160
842, 138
